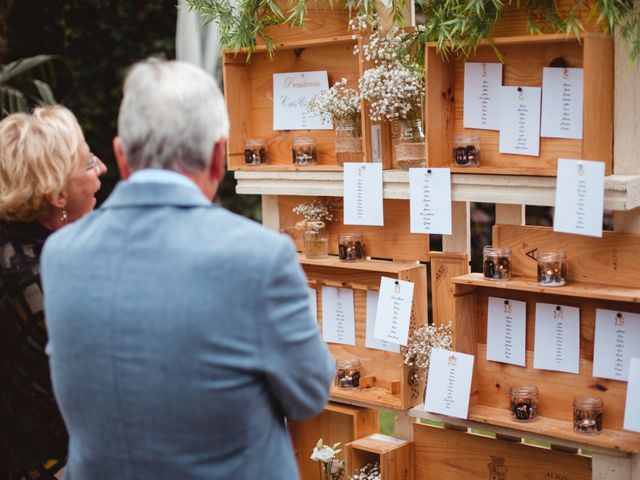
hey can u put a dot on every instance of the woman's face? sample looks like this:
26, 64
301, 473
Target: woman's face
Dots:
84, 184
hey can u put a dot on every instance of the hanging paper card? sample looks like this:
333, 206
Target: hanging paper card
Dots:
482, 82
520, 120
363, 194
313, 301
338, 322
632, 408
506, 331
579, 197
557, 338
394, 310
449, 383
370, 340
617, 340
430, 200
562, 97
291, 94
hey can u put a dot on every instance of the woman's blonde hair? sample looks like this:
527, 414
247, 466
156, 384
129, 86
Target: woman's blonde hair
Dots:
39, 154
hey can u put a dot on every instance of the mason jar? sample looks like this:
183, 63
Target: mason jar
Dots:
496, 263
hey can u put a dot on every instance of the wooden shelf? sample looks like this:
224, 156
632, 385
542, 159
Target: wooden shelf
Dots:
622, 192
538, 39
393, 268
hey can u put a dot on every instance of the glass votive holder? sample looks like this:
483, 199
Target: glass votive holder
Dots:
552, 268
350, 247
496, 263
348, 373
255, 151
587, 414
303, 151
524, 402
466, 150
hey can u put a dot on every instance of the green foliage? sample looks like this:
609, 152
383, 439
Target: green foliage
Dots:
20, 89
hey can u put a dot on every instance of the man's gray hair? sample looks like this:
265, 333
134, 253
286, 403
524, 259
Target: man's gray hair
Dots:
171, 116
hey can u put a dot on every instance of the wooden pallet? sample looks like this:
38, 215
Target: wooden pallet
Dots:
395, 456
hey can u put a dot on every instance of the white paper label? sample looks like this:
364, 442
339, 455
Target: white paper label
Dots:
562, 97
506, 331
363, 194
557, 338
482, 83
632, 408
617, 340
291, 94
394, 310
520, 120
430, 200
313, 303
376, 144
370, 340
338, 319
449, 383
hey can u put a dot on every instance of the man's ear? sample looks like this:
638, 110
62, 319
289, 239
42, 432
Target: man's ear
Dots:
121, 158
216, 168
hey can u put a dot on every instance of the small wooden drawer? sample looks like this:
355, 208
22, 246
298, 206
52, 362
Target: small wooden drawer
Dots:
394, 456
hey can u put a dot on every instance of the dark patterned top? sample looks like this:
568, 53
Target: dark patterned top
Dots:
31, 429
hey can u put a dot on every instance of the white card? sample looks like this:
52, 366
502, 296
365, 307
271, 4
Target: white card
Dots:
363, 194
338, 319
520, 120
376, 144
394, 310
370, 340
562, 95
482, 83
617, 340
313, 303
506, 331
449, 383
557, 338
430, 200
291, 94
579, 197
632, 408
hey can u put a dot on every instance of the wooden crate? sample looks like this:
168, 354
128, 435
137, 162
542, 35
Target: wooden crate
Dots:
524, 59
395, 456
393, 241
385, 378
455, 455
591, 286
338, 423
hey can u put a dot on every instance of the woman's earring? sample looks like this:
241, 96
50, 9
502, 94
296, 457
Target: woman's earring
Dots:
64, 218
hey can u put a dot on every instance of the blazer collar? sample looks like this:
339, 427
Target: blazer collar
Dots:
148, 194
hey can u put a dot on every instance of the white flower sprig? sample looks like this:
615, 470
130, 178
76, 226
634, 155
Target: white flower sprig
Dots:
338, 103
371, 471
316, 213
330, 467
418, 351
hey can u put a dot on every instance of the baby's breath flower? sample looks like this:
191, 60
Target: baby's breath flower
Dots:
371, 471
418, 351
314, 211
338, 103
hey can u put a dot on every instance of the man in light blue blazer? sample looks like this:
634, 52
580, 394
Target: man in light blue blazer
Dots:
180, 335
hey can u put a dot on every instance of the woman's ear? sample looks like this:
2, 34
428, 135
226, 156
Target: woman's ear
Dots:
121, 159
58, 200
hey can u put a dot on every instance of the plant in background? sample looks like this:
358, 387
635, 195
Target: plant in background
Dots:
330, 467
338, 103
20, 90
418, 351
371, 471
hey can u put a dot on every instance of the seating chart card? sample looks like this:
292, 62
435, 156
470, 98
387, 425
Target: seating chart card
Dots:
520, 120
363, 194
579, 197
632, 408
338, 319
557, 338
506, 331
313, 301
562, 102
449, 383
394, 310
482, 83
291, 94
617, 340
430, 200
370, 340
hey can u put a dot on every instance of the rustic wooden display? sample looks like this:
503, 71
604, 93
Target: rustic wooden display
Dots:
591, 260
395, 456
444, 267
524, 59
338, 423
393, 241
385, 380
451, 454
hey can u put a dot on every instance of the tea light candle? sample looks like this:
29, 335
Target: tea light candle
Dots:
496, 264
552, 268
466, 150
348, 373
255, 151
587, 414
303, 151
524, 402
350, 247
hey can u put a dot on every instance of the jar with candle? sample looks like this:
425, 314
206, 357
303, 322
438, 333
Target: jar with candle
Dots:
350, 247
524, 402
552, 268
496, 263
466, 150
348, 373
587, 414
255, 151
303, 151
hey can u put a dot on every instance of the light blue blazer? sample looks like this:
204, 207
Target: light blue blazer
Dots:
180, 337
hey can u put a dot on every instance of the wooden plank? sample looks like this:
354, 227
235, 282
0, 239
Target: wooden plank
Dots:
395, 456
460, 239
626, 112
606, 467
440, 108
510, 214
270, 212
441, 453
393, 241
236, 78
612, 260
444, 267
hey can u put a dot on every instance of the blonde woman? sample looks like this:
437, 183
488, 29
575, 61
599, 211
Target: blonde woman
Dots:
48, 178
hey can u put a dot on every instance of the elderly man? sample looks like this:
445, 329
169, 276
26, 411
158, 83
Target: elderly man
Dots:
180, 335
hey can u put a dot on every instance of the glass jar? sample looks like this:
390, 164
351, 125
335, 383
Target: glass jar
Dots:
587, 414
496, 263
466, 150
524, 402
303, 151
350, 247
316, 240
348, 141
348, 373
255, 151
552, 268
411, 151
